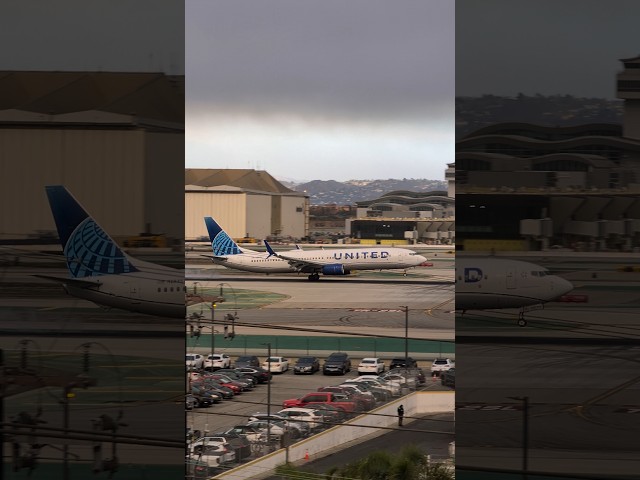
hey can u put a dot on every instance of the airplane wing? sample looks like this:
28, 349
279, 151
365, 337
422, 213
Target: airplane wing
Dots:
303, 266
76, 282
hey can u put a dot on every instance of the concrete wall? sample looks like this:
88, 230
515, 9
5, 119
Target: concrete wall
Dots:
326, 442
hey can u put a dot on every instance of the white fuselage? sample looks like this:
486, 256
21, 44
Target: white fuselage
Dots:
154, 291
364, 258
488, 283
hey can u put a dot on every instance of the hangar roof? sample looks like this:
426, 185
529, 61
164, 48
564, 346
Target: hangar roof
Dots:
244, 178
145, 95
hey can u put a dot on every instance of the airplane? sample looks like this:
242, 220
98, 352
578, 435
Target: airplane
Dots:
314, 262
496, 283
102, 273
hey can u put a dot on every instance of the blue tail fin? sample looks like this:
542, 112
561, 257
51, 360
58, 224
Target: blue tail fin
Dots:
88, 249
222, 244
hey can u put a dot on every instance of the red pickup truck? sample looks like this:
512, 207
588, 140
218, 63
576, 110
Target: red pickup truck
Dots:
320, 397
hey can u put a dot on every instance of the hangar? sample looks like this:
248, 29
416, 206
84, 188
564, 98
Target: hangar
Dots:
245, 202
114, 139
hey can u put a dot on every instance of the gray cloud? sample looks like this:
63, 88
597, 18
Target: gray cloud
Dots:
548, 46
360, 60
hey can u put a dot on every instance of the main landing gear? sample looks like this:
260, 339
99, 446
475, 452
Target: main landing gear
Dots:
314, 277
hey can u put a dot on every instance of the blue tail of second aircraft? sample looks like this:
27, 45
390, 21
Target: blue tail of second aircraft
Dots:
222, 244
88, 249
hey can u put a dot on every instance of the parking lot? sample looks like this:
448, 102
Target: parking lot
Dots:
229, 413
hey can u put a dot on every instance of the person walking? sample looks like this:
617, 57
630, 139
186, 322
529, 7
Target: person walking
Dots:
400, 415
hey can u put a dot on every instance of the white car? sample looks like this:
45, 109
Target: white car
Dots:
277, 364
217, 361
440, 365
306, 415
194, 361
216, 454
377, 382
371, 365
400, 380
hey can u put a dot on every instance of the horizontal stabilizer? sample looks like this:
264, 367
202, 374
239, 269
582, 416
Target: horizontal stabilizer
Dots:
76, 282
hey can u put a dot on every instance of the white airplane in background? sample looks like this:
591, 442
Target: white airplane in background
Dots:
104, 274
495, 283
330, 261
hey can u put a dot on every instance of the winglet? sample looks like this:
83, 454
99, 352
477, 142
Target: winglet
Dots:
269, 249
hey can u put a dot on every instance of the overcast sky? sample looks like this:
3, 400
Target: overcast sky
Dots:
322, 89
545, 46
92, 35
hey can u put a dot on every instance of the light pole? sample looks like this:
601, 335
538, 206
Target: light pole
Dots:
406, 335
268, 394
525, 434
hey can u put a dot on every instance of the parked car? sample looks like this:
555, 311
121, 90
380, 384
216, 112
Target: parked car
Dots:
276, 364
440, 365
402, 362
309, 365
246, 361
393, 389
371, 365
307, 415
190, 402
301, 426
194, 361
414, 372
217, 361
238, 376
448, 378
258, 373
337, 362
215, 455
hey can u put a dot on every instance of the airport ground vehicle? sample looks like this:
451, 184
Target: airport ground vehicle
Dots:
308, 365
337, 362
440, 365
276, 364
371, 365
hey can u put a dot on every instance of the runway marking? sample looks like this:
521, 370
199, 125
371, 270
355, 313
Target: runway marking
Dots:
438, 306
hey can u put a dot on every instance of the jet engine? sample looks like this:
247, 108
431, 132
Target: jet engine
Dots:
334, 269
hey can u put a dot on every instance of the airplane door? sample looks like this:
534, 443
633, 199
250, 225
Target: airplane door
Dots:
511, 279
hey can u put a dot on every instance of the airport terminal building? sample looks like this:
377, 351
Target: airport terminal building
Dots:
523, 186
246, 203
403, 217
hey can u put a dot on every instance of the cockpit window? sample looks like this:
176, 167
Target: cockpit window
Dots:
540, 273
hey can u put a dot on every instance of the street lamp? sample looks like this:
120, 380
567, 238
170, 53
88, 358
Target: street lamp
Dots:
525, 433
406, 335
268, 345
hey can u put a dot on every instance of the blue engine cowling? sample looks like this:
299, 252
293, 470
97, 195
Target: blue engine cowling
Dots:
335, 269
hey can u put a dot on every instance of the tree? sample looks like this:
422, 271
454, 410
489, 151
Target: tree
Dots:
410, 464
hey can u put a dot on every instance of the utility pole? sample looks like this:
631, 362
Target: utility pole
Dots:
213, 330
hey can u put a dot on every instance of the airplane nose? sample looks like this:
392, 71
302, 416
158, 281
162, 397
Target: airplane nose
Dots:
563, 286
421, 259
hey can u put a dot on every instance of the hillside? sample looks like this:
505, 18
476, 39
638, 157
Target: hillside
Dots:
322, 192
